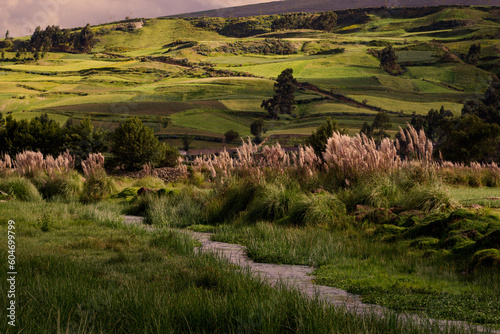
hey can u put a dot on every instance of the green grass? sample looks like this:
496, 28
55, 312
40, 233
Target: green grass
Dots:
483, 196
80, 274
389, 274
29, 115
157, 33
62, 66
109, 89
212, 120
420, 108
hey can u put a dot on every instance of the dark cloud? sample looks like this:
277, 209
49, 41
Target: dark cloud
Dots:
21, 17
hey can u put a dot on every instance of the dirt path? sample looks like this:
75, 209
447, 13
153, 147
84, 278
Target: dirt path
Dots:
300, 277
292, 275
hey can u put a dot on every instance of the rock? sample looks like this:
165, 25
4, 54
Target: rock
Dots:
144, 191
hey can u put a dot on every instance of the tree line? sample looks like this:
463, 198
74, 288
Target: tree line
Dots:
251, 26
318, 21
132, 144
53, 38
472, 136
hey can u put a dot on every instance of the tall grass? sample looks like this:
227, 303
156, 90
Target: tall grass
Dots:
20, 188
175, 209
272, 202
97, 185
389, 274
323, 209
346, 159
112, 280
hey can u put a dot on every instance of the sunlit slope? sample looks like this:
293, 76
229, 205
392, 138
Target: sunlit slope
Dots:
125, 76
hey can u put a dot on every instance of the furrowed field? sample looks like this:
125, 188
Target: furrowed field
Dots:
386, 218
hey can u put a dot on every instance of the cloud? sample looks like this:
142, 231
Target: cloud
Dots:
21, 17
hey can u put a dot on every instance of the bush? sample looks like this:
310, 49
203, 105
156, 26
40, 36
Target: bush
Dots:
171, 157
271, 203
234, 199
427, 198
231, 135
322, 209
67, 186
176, 209
21, 189
97, 187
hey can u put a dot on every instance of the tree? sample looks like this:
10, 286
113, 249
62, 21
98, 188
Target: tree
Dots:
380, 125
134, 145
284, 95
257, 127
84, 41
469, 139
186, 141
40, 134
83, 139
473, 55
171, 157
435, 124
388, 60
7, 35
366, 129
319, 138
231, 135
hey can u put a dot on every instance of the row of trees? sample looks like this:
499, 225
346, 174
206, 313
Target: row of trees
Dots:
251, 26
318, 21
133, 144
54, 38
473, 136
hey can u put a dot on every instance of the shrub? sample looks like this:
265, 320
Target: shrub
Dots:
97, 184
171, 157
233, 199
231, 135
322, 209
66, 186
21, 188
177, 209
97, 187
427, 198
271, 203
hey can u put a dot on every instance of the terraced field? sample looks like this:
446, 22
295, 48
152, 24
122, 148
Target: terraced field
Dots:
115, 81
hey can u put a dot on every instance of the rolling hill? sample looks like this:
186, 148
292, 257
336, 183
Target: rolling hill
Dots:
206, 82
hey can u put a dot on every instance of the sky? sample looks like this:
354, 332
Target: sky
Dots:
21, 17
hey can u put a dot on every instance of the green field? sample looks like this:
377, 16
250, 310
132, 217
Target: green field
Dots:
114, 82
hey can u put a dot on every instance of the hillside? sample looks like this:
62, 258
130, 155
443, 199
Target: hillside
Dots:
200, 80
289, 6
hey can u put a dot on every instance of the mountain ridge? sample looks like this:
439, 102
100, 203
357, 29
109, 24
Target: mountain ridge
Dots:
286, 6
